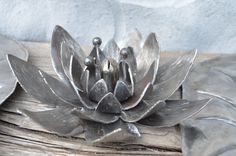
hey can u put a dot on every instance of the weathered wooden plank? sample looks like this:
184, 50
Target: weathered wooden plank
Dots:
20, 135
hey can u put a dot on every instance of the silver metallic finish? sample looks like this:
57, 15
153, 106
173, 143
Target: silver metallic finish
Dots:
132, 39
111, 50
60, 36
98, 90
174, 112
76, 72
122, 91
109, 104
144, 109
32, 81
130, 59
60, 120
91, 115
141, 88
167, 83
118, 131
221, 71
212, 131
7, 80
97, 41
106, 90
150, 53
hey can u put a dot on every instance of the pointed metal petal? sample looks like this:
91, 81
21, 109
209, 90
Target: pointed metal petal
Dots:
98, 90
174, 66
174, 112
140, 88
60, 120
170, 80
58, 37
7, 80
85, 101
132, 39
97, 54
115, 132
109, 104
72, 67
111, 50
130, 59
33, 81
93, 115
63, 91
76, 72
125, 72
143, 109
151, 52
122, 91
85, 80
66, 54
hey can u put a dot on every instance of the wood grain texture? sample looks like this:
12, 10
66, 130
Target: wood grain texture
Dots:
21, 136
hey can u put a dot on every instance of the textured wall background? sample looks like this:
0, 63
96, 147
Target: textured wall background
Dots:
208, 25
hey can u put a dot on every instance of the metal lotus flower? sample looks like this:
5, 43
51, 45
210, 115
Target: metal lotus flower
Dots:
105, 93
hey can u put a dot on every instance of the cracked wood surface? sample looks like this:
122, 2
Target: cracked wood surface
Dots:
21, 136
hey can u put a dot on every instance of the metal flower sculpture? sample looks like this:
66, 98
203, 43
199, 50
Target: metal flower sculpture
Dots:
104, 94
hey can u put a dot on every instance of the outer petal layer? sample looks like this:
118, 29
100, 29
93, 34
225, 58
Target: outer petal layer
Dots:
174, 112
171, 76
36, 83
60, 120
118, 131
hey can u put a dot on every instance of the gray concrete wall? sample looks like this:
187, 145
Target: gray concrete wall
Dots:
208, 25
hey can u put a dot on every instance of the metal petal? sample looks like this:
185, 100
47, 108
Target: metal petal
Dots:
143, 109
150, 52
60, 36
60, 120
97, 54
122, 91
130, 59
171, 77
174, 112
93, 115
215, 77
169, 69
60, 89
115, 132
76, 72
111, 50
7, 79
33, 82
132, 39
211, 131
140, 88
98, 90
126, 82
85, 101
85, 80
109, 104
71, 66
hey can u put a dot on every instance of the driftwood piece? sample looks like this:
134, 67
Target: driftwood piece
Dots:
21, 136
